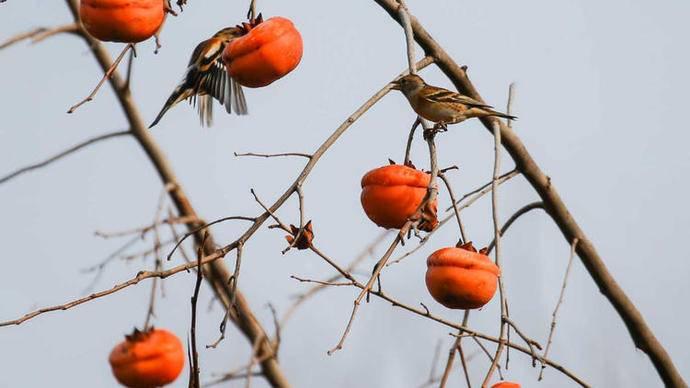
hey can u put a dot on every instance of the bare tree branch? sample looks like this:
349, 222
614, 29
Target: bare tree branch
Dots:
62, 154
38, 34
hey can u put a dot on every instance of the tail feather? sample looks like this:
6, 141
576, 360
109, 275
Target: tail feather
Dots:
502, 115
237, 96
160, 115
183, 91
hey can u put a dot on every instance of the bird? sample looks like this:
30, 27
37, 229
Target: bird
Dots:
440, 105
206, 78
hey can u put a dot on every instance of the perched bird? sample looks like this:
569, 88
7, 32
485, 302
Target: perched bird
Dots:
206, 78
440, 105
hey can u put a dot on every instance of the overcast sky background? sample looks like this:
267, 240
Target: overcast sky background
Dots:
601, 91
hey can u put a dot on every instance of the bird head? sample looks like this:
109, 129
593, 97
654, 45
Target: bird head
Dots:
409, 84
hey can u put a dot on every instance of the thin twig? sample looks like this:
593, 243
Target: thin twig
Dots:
141, 232
573, 249
234, 279
322, 282
251, 13
308, 156
409, 35
43, 35
366, 252
531, 344
486, 351
464, 362
176, 237
276, 324
302, 219
471, 198
457, 346
197, 230
519, 213
156, 249
130, 63
230, 377
456, 211
62, 154
252, 361
98, 268
38, 34
107, 75
142, 275
434, 362
410, 138
21, 36
497, 252
194, 362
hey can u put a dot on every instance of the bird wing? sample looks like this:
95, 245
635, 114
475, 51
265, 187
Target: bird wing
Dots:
205, 79
214, 79
446, 96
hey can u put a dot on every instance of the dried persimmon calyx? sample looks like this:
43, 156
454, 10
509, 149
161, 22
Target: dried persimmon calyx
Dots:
305, 238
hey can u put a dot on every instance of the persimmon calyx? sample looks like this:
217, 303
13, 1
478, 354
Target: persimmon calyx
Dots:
407, 164
469, 247
249, 25
139, 335
305, 238
429, 218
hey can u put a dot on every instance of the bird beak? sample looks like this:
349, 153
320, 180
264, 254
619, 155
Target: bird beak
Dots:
395, 85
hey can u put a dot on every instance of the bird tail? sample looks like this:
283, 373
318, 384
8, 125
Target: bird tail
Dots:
182, 91
177, 95
501, 115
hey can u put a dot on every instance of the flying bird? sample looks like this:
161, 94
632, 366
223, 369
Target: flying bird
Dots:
206, 78
442, 106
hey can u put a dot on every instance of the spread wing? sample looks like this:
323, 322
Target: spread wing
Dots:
206, 79
214, 81
447, 96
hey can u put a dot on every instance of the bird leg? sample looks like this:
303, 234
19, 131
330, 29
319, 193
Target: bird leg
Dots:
441, 126
437, 128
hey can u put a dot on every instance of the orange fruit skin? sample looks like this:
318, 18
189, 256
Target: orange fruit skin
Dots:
461, 279
506, 384
154, 361
265, 54
391, 194
127, 21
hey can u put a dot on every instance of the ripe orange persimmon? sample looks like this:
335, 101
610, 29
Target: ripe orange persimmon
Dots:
147, 359
392, 194
506, 384
270, 50
127, 21
461, 278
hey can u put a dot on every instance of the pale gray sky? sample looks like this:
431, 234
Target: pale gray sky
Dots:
600, 86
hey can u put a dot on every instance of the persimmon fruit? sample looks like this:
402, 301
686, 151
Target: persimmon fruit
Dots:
506, 384
267, 52
127, 21
147, 359
461, 278
392, 194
